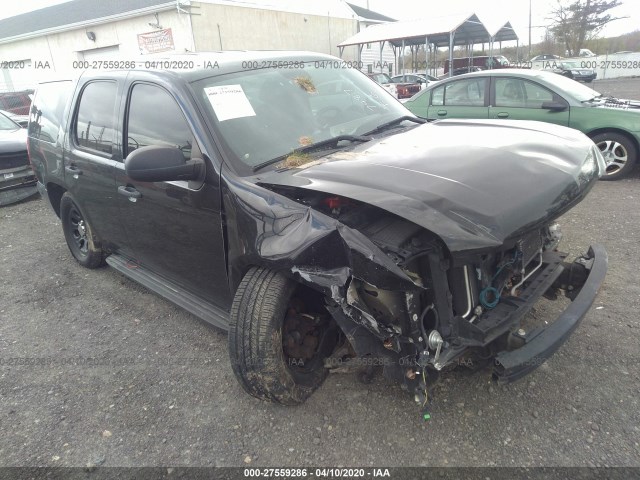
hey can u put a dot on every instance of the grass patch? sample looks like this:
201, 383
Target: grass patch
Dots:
296, 159
306, 84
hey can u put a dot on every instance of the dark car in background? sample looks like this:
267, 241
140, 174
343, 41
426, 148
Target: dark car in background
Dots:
17, 180
484, 62
573, 70
461, 71
545, 57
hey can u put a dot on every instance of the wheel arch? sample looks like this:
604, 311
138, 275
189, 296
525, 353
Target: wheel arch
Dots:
55, 193
307, 289
240, 269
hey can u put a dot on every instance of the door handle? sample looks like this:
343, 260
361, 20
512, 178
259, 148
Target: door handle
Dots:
442, 113
130, 192
503, 115
73, 170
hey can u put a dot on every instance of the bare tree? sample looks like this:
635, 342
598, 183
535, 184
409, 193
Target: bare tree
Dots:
579, 20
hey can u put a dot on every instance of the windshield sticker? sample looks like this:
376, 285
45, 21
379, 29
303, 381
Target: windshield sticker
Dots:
229, 102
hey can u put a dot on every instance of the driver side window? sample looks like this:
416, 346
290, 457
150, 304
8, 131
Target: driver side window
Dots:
154, 118
514, 92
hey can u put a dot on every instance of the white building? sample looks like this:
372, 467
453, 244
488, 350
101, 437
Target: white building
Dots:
372, 60
66, 36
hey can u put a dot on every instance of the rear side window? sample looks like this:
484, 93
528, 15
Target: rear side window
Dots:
467, 92
95, 122
47, 109
515, 92
156, 119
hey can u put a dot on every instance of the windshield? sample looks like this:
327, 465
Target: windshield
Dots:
576, 89
266, 113
6, 124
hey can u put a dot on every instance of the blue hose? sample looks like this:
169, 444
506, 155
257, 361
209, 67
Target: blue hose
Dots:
489, 303
494, 291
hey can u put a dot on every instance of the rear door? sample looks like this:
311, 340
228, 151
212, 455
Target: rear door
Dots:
175, 227
463, 98
92, 151
519, 99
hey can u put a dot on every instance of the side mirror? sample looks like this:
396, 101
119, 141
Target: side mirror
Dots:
160, 163
555, 106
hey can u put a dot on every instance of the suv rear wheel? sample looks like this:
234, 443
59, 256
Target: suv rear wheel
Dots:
80, 239
279, 336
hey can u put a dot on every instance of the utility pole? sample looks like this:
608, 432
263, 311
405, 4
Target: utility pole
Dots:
529, 29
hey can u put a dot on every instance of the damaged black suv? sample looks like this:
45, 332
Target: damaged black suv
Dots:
293, 202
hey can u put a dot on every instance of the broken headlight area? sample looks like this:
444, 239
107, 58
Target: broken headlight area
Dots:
468, 310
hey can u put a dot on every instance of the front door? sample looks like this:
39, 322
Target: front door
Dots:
175, 228
519, 99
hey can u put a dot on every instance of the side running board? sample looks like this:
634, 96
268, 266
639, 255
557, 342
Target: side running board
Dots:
211, 314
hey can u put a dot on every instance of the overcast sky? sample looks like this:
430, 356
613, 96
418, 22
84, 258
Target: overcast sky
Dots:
493, 13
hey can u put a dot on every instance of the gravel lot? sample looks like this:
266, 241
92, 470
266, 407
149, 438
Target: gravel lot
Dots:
164, 393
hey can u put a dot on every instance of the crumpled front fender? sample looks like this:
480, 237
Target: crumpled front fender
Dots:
268, 229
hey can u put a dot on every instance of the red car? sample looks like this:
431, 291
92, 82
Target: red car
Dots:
17, 103
398, 90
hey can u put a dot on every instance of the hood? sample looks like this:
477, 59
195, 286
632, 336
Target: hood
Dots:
472, 183
618, 104
13, 140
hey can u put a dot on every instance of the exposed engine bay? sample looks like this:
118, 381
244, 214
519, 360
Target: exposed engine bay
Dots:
462, 307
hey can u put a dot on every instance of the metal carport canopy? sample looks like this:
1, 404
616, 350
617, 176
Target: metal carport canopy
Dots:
506, 33
446, 31
466, 29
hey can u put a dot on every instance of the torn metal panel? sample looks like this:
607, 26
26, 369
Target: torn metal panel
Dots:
265, 228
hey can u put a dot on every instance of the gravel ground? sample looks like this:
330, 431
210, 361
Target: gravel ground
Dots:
163, 392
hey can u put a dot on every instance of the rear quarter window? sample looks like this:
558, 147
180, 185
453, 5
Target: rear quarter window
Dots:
47, 110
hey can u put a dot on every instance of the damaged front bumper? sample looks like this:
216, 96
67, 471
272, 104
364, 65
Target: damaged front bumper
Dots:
541, 343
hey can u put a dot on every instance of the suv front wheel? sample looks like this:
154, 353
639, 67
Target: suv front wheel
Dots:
279, 336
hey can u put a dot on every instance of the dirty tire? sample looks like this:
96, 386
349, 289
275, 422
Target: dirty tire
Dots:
620, 150
80, 239
255, 340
